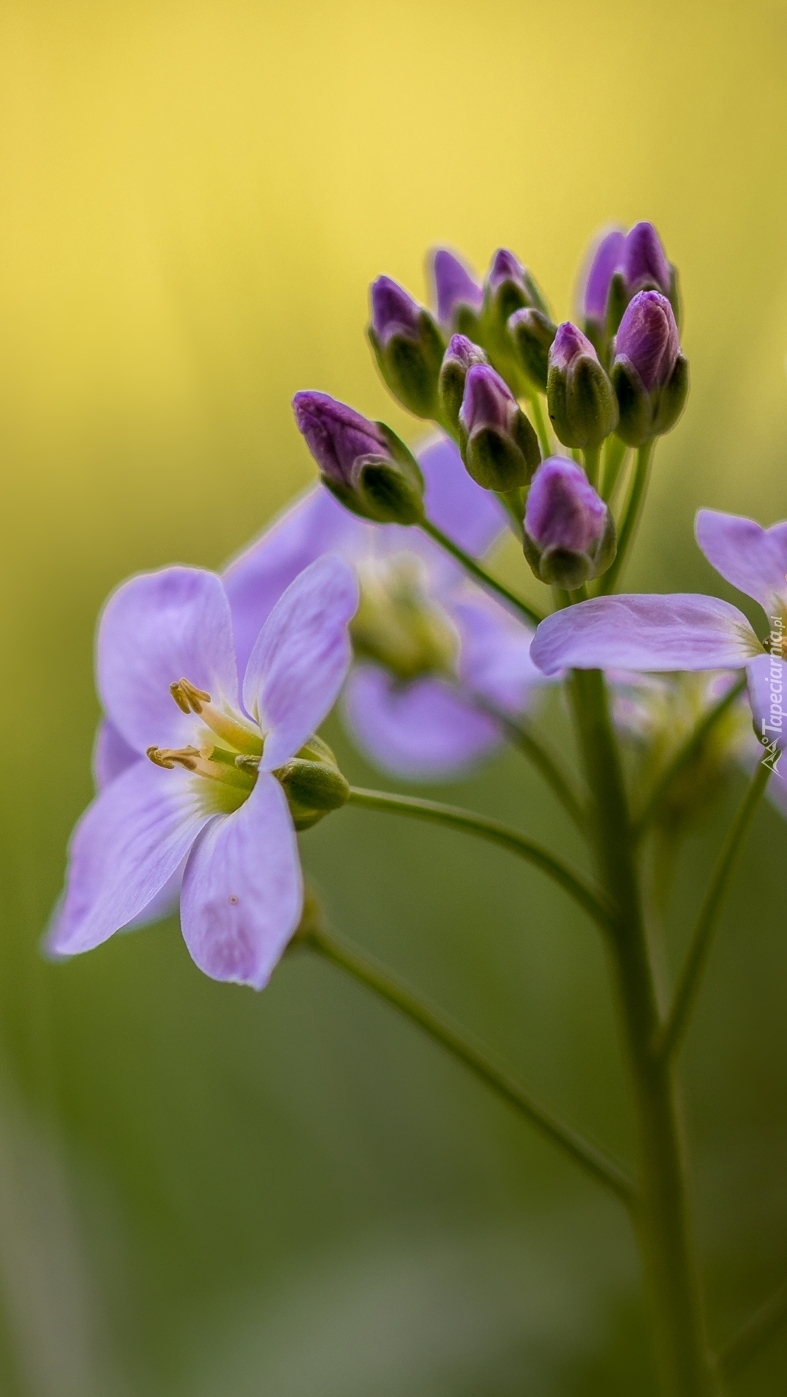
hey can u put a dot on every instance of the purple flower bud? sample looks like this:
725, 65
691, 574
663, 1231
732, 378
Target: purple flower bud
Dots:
487, 402
499, 445
460, 356
644, 262
505, 267
606, 258
567, 344
462, 352
580, 398
394, 312
454, 286
337, 436
569, 534
648, 338
622, 265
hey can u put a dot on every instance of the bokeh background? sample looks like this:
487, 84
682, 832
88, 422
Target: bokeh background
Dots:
204, 1191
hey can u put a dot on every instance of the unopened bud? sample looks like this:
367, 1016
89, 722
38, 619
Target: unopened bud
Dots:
532, 333
569, 532
460, 357
649, 373
580, 398
408, 346
622, 265
509, 287
499, 445
459, 296
313, 784
364, 464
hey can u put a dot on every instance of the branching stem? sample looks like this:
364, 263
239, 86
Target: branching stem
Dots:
481, 575
631, 517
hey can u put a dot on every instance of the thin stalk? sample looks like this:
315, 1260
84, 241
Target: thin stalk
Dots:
631, 517
540, 424
685, 754
614, 456
665, 1231
592, 456
480, 574
452, 817
546, 763
588, 1156
669, 1039
756, 1332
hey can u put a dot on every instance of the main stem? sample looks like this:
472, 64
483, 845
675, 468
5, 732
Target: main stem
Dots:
665, 1231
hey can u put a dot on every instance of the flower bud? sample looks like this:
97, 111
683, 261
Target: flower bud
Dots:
509, 287
459, 296
569, 532
408, 346
580, 398
363, 463
649, 373
499, 446
313, 784
460, 357
622, 265
532, 333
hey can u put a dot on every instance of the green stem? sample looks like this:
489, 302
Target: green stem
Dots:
685, 754
755, 1333
614, 456
520, 735
668, 1040
452, 817
540, 424
480, 574
590, 1158
631, 517
592, 456
665, 1232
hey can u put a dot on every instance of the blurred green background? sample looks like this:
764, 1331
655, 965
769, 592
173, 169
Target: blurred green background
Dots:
204, 1191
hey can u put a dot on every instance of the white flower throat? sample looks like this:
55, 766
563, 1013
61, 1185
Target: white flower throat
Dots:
230, 765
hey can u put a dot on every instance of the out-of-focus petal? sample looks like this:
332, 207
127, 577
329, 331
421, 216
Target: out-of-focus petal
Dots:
674, 632
424, 731
126, 847
766, 678
753, 559
495, 662
470, 516
315, 524
301, 657
157, 628
111, 754
242, 889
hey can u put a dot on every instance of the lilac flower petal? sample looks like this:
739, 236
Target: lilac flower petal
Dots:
495, 663
156, 628
472, 517
681, 631
301, 657
766, 678
126, 847
424, 731
111, 755
242, 889
753, 559
254, 581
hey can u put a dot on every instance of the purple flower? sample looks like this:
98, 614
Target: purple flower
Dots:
394, 312
621, 265
648, 339
689, 632
569, 533
364, 464
189, 797
455, 287
421, 613
499, 445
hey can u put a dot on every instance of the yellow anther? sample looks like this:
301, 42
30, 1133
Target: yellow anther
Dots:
187, 696
168, 757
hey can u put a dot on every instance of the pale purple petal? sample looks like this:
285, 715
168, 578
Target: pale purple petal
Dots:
753, 559
157, 628
766, 677
681, 631
495, 663
301, 657
126, 847
423, 731
242, 889
315, 524
111, 755
470, 516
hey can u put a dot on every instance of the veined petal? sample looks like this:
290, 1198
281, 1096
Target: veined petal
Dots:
681, 631
157, 628
315, 524
470, 516
495, 663
423, 731
753, 559
301, 657
242, 890
766, 678
126, 847
111, 754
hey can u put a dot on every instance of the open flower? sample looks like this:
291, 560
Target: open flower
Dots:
438, 663
187, 765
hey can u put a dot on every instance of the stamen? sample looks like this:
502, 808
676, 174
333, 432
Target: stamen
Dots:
168, 757
187, 696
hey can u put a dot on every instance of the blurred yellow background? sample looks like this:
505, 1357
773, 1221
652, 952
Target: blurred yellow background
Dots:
195, 197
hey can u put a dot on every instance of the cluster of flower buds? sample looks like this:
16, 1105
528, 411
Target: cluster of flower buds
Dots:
569, 532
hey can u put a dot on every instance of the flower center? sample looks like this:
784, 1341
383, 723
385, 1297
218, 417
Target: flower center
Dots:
397, 624
230, 765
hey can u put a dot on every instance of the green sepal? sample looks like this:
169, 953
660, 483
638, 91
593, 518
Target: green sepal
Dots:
581, 402
501, 461
532, 338
634, 406
672, 398
387, 490
410, 365
566, 568
313, 784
